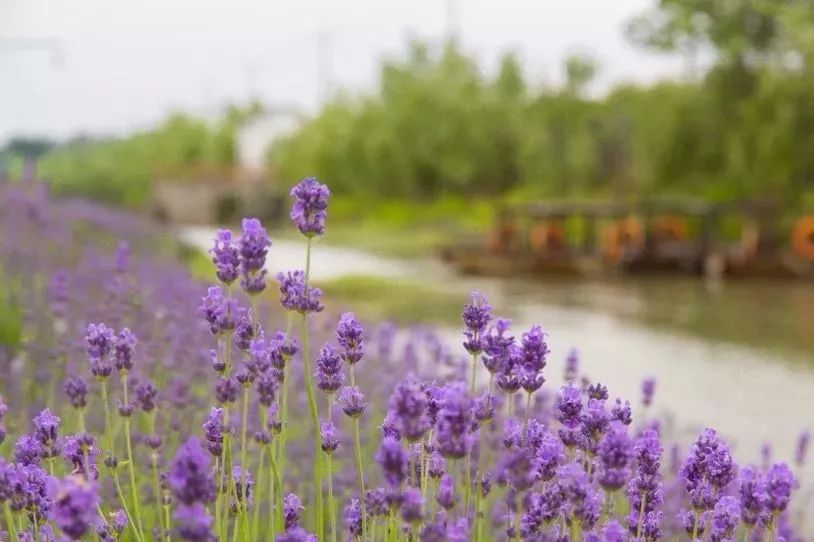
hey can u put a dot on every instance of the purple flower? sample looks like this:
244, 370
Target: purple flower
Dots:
267, 387
594, 423
350, 336
46, 431
779, 483
296, 296
292, 506
454, 421
219, 312
445, 495
30, 491
584, 501
352, 401
436, 465
329, 370
189, 477
245, 330
376, 502
296, 534
613, 531
476, 317
409, 405
802, 448
622, 413
146, 395
707, 470
614, 453
497, 346
214, 429
99, 341
352, 514
253, 246
752, 496
226, 390
572, 366
244, 485
535, 349
225, 256
648, 390
569, 414
412, 505
193, 523
725, 518
644, 490
75, 502
113, 529
28, 450
330, 440
597, 391
310, 206
125, 347
80, 452
77, 391
392, 459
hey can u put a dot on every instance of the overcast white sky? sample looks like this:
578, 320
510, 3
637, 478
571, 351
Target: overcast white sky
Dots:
121, 65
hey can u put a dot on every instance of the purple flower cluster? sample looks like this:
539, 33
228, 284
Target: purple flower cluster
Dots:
211, 456
310, 207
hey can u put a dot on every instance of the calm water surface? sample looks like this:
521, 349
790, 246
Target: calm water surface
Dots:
738, 356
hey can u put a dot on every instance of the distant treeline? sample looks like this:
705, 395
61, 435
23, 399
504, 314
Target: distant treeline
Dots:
437, 124
121, 170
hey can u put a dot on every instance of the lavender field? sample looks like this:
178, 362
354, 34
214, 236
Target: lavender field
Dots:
141, 404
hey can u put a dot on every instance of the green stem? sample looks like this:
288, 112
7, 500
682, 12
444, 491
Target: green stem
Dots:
131, 468
227, 475
108, 425
12, 530
167, 521
474, 370
331, 515
157, 491
80, 412
312, 408
275, 471
258, 493
528, 409
242, 500
109, 438
641, 519
357, 444
281, 447
127, 513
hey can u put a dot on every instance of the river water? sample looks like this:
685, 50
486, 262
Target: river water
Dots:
735, 356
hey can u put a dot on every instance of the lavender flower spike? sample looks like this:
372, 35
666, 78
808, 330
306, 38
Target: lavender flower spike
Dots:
225, 256
253, 246
310, 207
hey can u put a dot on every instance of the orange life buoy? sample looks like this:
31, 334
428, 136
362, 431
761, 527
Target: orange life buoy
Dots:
802, 238
502, 237
547, 236
670, 228
622, 237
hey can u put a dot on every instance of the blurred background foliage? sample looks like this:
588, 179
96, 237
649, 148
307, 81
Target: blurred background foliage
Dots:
440, 126
121, 170
742, 127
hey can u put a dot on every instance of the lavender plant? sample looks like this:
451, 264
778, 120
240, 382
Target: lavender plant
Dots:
225, 427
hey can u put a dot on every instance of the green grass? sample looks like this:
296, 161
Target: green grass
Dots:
11, 316
402, 227
377, 298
